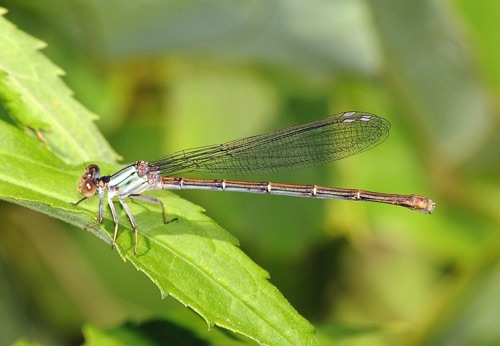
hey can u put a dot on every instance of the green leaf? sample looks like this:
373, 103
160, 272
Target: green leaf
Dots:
36, 97
293, 34
430, 67
191, 259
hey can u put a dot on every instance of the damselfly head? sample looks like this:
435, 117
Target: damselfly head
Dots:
92, 172
87, 185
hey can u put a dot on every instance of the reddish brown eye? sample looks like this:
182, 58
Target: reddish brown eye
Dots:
87, 187
92, 172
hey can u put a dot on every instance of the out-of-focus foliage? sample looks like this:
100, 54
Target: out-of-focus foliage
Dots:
165, 76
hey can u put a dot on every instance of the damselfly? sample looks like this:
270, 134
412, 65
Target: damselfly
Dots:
292, 148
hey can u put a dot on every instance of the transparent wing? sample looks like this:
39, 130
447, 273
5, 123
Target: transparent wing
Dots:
292, 148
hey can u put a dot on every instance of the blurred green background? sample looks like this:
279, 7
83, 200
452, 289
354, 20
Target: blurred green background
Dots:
171, 75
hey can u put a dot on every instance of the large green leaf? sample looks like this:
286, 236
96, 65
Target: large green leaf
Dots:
430, 67
37, 99
298, 35
192, 259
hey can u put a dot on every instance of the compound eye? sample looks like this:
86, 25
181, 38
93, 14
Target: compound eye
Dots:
87, 187
92, 172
